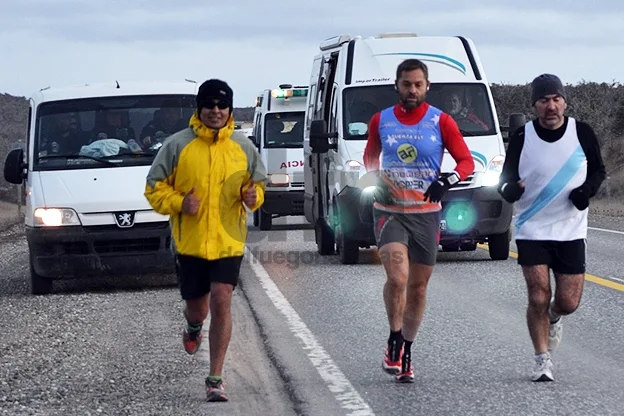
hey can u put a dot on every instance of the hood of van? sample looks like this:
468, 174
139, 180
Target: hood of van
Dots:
96, 190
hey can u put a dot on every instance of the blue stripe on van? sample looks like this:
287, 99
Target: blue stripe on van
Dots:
461, 66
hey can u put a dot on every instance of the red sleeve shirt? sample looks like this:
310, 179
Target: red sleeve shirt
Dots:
451, 136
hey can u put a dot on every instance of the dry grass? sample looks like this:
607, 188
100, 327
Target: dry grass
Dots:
610, 208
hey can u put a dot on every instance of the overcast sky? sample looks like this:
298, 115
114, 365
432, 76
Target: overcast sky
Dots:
260, 44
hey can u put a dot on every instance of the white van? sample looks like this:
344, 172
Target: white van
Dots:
88, 152
351, 79
278, 134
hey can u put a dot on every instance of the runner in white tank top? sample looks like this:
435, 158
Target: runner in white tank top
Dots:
552, 169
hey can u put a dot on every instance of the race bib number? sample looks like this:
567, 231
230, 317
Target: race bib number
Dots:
410, 179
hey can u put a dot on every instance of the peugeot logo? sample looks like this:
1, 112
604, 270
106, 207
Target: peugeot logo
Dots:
124, 219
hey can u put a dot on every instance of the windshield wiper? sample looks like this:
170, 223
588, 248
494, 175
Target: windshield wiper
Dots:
138, 154
76, 156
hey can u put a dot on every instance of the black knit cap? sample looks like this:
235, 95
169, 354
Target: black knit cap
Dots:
544, 85
214, 89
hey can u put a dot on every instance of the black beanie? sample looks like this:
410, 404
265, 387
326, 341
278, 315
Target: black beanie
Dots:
214, 89
544, 85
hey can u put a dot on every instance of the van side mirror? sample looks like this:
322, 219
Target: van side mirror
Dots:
516, 120
254, 139
14, 167
319, 138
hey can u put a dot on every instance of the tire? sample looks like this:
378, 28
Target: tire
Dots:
39, 285
266, 220
348, 250
325, 242
498, 245
256, 218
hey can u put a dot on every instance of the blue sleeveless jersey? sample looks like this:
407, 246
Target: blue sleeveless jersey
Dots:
411, 159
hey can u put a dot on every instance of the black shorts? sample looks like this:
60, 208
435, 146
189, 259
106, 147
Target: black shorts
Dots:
564, 257
419, 232
196, 274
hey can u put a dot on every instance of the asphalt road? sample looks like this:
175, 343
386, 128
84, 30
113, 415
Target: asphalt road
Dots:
309, 337
473, 354
105, 347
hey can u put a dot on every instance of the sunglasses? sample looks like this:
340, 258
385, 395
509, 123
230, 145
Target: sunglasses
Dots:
221, 104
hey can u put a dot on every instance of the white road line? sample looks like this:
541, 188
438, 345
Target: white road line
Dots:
615, 278
336, 381
604, 230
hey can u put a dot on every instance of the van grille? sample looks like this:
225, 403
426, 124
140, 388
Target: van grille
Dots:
137, 226
139, 245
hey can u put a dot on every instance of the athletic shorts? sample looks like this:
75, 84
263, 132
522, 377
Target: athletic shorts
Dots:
564, 257
419, 232
196, 274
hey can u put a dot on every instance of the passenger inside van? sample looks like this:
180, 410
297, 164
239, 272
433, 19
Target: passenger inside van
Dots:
167, 120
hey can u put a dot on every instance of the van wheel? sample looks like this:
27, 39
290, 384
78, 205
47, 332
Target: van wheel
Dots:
349, 250
498, 245
256, 218
39, 285
324, 240
265, 220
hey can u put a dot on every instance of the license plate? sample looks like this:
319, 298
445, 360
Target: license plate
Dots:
443, 225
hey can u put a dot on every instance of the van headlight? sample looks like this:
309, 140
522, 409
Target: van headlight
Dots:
493, 171
278, 179
55, 217
353, 166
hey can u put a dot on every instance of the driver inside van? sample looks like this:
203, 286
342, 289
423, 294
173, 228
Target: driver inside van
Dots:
456, 107
63, 136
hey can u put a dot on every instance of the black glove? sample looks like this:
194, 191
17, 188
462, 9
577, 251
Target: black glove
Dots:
579, 198
437, 189
511, 191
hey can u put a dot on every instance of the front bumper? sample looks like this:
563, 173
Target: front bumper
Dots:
283, 202
474, 214
467, 215
77, 251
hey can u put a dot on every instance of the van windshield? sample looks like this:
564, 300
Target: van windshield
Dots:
283, 130
468, 104
107, 131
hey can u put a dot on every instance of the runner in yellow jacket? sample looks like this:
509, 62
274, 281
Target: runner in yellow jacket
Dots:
203, 177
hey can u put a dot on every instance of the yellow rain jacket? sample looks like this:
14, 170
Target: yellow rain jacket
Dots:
220, 166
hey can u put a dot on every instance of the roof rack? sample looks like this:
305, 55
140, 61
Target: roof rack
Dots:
335, 41
397, 35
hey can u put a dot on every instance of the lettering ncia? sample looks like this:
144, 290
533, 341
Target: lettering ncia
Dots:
292, 164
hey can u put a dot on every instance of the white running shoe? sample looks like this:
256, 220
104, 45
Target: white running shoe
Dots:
555, 333
543, 370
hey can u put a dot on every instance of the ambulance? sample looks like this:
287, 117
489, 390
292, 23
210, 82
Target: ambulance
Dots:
278, 135
352, 77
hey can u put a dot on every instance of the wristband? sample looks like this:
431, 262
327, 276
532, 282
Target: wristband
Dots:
452, 179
